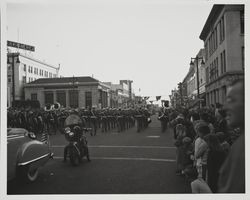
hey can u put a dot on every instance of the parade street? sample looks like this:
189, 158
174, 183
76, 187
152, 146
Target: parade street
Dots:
121, 163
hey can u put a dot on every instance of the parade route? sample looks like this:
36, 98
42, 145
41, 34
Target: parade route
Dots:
121, 163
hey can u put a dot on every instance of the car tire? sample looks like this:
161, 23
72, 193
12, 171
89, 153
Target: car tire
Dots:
25, 174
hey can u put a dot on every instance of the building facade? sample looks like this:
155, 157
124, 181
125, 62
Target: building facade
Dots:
74, 92
223, 36
22, 69
129, 87
122, 93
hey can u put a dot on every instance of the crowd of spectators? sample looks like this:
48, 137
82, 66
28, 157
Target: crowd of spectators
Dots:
209, 142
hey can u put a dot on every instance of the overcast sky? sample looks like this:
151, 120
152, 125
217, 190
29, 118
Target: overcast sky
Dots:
149, 42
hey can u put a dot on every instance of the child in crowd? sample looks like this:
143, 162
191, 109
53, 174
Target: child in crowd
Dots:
201, 150
180, 134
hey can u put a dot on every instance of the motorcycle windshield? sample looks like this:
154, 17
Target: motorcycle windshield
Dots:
73, 119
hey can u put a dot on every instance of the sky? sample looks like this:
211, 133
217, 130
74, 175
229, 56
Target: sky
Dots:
149, 42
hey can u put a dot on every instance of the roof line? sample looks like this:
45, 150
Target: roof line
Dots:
57, 84
38, 61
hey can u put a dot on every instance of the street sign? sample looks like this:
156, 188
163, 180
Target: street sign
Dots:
20, 46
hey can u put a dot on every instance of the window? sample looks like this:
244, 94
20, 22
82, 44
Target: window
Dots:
221, 63
207, 74
224, 93
73, 98
216, 68
222, 30
206, 52
9, 78
33, 96
212, 42
88, 99
49, 98
224, 61
31, 69
215, 38
24, 79
242, 21
211, 72
61, 98
24, 67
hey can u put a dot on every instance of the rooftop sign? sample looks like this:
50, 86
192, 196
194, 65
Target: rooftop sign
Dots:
20, 46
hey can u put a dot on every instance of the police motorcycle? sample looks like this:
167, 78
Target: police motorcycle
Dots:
77, 147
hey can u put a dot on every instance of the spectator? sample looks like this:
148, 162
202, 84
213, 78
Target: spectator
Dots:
232, 173
216, 157
221, 123
187, 151
201, 150
180, 134
205, 117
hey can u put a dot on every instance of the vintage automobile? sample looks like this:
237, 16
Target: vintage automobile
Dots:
25, 154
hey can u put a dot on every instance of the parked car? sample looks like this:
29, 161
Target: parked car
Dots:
25, 154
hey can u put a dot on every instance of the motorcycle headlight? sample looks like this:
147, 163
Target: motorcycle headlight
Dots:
71, 134
67, 130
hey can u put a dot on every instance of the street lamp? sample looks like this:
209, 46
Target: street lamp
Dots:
196, 59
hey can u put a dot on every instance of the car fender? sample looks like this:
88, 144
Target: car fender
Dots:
34, 153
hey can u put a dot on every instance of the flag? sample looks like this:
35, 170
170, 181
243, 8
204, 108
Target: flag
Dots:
158, 98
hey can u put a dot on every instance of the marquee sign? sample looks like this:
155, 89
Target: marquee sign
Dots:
20, 46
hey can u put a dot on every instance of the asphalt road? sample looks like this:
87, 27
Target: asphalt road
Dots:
121, 163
